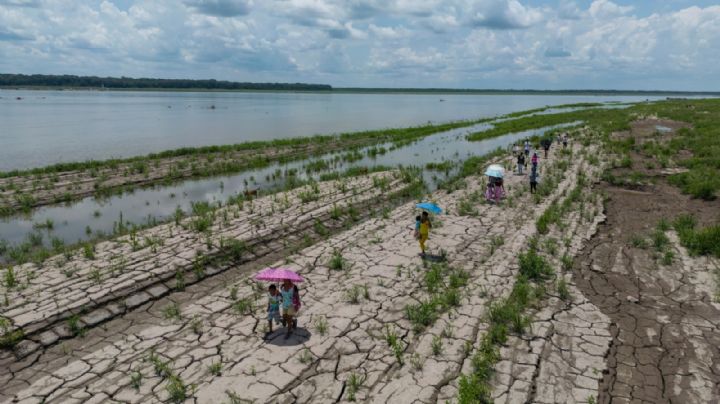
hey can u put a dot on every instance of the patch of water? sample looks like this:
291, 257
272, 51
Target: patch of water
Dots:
81, 220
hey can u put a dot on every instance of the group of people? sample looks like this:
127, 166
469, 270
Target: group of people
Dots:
287, 298
522, 158
284, 302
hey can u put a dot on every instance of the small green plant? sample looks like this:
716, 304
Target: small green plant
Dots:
321, 325
391, 336
567, 262
533, 266
320, 229
398, 350
436, 345
668, 258
663, 225
236, 249
196, 325
638, 241
89, 251
9, 338
95, 275
136, 379
215, 368
563, 290
179, 280
305, 356
335, 212
233, 293
337, 262
172, 312
242, 306
495, 242
176, 388
353, 385
75, 326
660, 240
10, 279
353, 294
416, 361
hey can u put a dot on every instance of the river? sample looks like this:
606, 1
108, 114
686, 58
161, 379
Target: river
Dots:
39, 128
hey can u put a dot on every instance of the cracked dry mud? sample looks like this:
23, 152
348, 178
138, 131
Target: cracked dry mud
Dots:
596, 344
310, 366
665, 322
132, 270
647, 332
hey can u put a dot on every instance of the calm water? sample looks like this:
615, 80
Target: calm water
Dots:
71, 222
46, 127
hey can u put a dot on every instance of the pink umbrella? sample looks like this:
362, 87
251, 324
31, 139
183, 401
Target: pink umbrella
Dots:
278, 275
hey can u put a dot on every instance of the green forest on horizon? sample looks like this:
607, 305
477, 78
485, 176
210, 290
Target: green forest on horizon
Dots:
41, 81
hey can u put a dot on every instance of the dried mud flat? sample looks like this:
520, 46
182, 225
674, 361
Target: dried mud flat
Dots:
205, 342
665, 319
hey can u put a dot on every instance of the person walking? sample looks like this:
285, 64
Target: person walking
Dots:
534, 161
289, 291
533, 180
527, 147
520, 163
425, 227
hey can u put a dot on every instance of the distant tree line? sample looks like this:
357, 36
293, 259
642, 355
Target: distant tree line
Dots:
43, 80
520, 91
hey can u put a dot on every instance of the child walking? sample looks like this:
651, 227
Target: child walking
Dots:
288, 291
274, 300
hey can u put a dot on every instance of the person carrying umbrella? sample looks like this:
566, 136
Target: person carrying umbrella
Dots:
290, 302
291, 305
425, 227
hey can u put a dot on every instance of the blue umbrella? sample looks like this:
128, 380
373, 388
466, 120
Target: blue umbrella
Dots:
495, 171
430, 207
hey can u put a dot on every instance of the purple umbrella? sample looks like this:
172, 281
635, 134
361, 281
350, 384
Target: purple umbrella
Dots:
278, 275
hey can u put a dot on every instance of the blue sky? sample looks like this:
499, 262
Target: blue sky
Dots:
540, 44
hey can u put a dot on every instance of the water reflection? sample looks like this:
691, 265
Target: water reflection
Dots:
81, 220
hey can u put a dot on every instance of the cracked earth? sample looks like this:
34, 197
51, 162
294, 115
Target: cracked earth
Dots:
620, 334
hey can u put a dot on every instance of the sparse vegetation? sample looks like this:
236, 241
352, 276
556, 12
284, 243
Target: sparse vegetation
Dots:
172, 312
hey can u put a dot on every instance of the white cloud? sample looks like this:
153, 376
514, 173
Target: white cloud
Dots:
504, 14
366, 42
606, 8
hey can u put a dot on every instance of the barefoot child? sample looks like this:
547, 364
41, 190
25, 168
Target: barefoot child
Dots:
274, 300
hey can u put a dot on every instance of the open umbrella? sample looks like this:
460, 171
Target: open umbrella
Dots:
430, 207
278, 275
495, 170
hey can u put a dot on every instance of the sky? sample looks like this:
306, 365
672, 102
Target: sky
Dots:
519, 44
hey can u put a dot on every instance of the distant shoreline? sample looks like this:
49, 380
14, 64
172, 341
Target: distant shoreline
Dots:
340, 90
